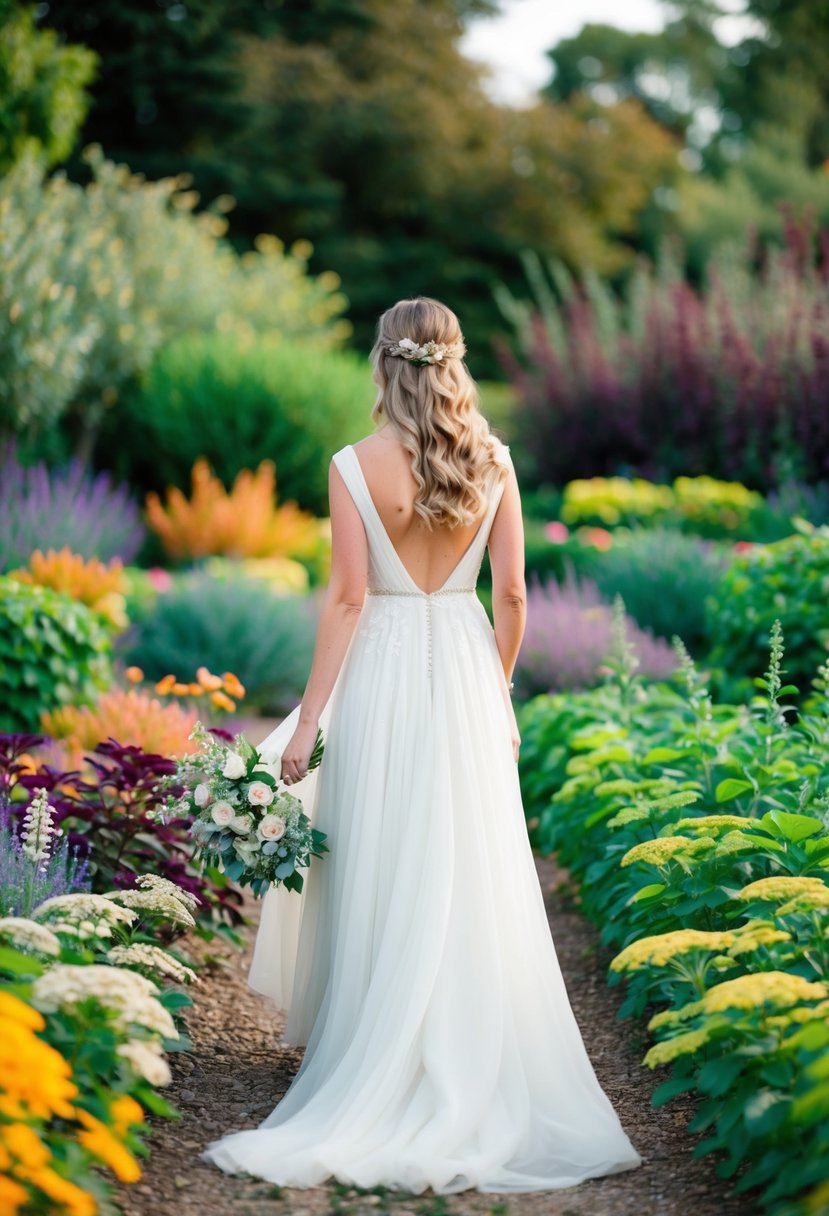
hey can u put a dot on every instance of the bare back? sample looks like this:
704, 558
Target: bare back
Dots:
429, 556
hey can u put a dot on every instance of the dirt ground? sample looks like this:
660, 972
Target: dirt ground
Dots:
236, 1073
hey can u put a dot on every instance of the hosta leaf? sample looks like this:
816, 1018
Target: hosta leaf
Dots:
732, 787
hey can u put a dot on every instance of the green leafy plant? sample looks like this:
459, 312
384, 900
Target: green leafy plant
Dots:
236, 403
53, 651
697, 836
789, 581
237, 625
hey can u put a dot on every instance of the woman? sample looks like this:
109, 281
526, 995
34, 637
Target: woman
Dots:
441, 1048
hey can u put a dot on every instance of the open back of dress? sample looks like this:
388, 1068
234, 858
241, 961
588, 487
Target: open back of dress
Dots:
418, 965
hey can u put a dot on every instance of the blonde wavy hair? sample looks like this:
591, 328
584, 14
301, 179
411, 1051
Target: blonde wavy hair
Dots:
433, 408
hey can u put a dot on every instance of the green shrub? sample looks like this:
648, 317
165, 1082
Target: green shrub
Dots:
238, 404
789, 581
53, 651
240, 626
696, 835
97, 279
664, 578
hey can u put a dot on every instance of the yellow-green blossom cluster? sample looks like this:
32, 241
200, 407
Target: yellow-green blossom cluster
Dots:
660, 851
671, 1049
659, 950
781, 887
754, 934
712, 823
807, 901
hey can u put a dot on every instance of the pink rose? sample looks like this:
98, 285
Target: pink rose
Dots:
259, 794
201, 794
222, 813
271, 828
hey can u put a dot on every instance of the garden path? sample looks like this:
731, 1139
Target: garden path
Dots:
237, 1071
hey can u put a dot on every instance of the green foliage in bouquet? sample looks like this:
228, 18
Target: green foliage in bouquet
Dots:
53, 651
257, 832
789, 581
697, 836
236, 402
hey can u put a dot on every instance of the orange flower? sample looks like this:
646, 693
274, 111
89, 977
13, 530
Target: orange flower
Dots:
222, 701
208, 681
134, 674
196, 690
125, 1111
165, 684
233, 685
99, 1140
180, 690
12, 1196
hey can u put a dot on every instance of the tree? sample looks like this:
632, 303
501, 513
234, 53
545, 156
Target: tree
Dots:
42, 89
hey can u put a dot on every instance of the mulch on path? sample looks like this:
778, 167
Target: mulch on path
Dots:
237, 1072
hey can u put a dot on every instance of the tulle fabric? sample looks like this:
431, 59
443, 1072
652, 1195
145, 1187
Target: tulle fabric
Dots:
418, 965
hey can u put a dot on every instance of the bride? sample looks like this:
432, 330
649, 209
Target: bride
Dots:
417, 967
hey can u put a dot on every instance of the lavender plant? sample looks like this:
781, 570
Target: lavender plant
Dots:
569, 632
37, 863
42, 508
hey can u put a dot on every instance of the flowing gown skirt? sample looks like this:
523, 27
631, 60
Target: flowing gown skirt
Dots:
418, 965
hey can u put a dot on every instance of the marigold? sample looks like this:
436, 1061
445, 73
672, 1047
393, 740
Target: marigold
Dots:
134, 674
97, 1139
781, 887
658, 950
207, 680
222, 701
124, 1111
12, 1196
35, 1079
165, 684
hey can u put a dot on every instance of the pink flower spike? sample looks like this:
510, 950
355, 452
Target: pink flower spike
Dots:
556, 532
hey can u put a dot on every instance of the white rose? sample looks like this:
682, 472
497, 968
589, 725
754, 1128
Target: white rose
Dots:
234, 766
259, 794
271, 828
241, 823
201, 794
222, 813
407, 343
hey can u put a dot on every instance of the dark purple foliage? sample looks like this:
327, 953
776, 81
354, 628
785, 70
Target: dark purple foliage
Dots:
568, 638
732, 380
43, 508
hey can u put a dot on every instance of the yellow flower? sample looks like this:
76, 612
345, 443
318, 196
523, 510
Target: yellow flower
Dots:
660, 851
762, 988
672, 1049
207, 680
710, 823
757, 933
125, 1111
222, 701
808, 901
781, 887
12, 1196
101, 1143
134, 674
35, 1080
15, 1010
658, 950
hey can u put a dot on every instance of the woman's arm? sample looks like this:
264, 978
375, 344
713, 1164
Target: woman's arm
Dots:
341, 608
509, 591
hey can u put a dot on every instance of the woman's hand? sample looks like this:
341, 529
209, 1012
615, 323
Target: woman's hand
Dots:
297, 752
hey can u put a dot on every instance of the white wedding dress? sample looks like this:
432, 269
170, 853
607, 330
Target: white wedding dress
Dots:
417, 966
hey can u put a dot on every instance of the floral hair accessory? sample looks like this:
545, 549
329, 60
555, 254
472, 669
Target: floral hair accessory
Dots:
429, 352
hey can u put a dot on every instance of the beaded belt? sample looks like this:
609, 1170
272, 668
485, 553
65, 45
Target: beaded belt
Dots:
428, 596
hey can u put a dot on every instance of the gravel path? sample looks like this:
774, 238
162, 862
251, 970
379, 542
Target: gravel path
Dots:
237, 1072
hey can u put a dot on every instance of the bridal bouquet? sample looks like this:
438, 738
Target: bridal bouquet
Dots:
243, 820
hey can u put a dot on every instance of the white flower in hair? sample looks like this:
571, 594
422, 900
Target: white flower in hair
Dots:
429, 352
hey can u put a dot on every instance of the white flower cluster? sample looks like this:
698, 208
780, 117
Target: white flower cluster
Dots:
429, 352
151, 958
130, 996
156, 902
83, 915
38, 829
155, 882
146, 1058
28, 935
